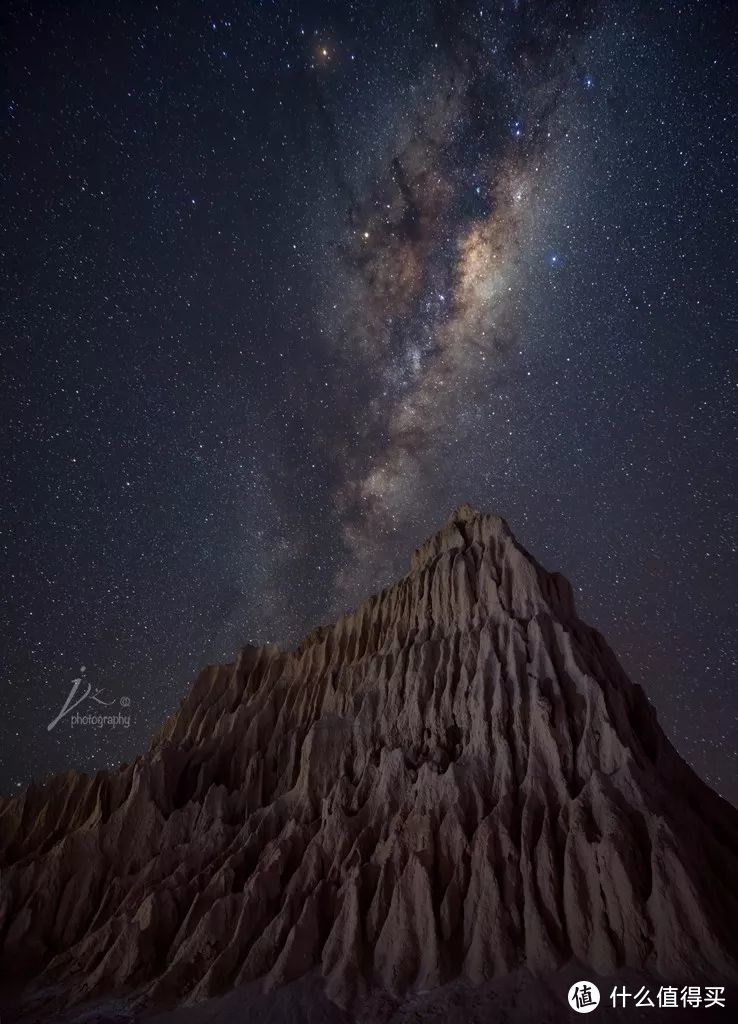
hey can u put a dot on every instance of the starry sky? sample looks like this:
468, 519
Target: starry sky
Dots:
284, 283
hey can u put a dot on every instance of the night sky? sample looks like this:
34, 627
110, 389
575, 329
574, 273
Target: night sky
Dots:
283, 284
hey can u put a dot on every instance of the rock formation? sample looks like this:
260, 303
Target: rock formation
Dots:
454, 781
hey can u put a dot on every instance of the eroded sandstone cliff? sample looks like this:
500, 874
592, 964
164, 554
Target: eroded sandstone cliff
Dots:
453, 781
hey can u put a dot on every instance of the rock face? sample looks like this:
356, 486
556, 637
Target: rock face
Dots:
455, 780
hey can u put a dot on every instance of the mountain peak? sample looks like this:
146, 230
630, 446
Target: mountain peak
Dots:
464, 523
453, 781
464, 513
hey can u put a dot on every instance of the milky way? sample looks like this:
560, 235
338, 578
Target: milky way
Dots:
287, 284
436, 248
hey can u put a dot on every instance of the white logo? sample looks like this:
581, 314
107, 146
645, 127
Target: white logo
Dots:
94, 719
584, 996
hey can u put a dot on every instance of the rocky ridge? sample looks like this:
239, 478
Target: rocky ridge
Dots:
453, 781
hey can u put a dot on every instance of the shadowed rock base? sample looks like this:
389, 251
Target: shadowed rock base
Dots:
455, 782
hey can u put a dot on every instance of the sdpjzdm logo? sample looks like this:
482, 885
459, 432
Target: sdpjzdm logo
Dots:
584, 996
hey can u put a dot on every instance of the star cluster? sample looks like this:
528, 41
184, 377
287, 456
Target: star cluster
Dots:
286, 283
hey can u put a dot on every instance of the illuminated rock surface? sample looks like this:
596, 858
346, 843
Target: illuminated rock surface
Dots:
452, 783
